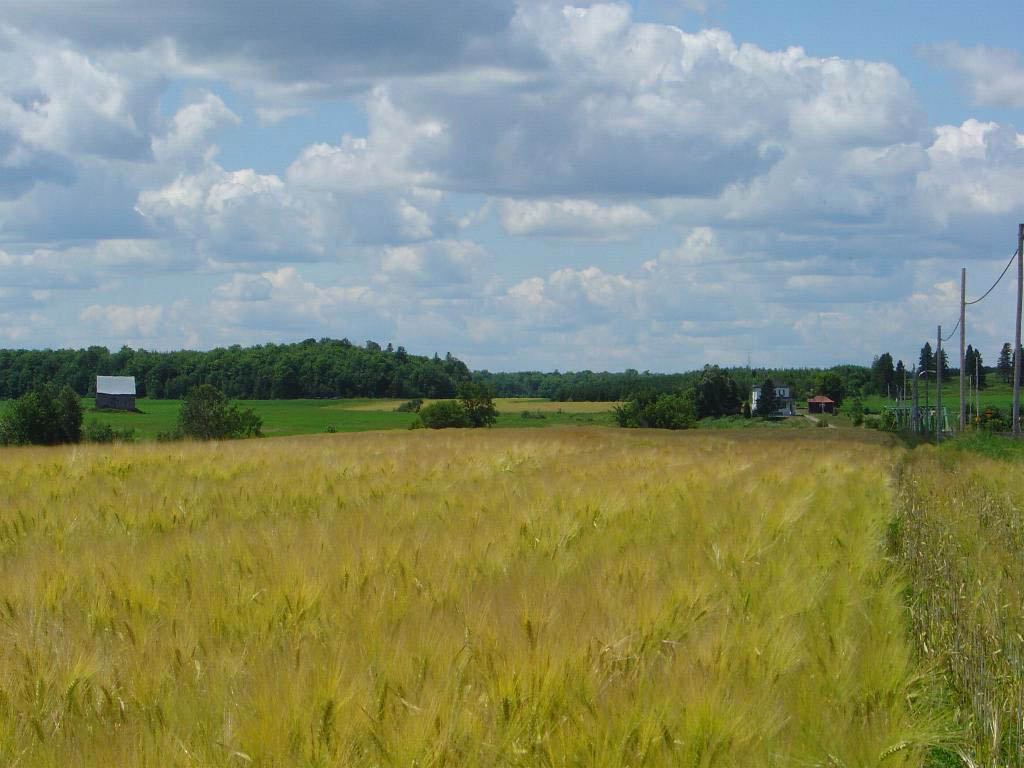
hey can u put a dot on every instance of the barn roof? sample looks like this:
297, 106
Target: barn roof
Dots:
821, 399
115, 385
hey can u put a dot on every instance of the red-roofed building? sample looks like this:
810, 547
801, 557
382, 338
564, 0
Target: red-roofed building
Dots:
821, 404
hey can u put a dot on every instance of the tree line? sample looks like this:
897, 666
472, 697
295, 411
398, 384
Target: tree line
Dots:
588, 386
308, 369
889, 379
714, 393
331, 368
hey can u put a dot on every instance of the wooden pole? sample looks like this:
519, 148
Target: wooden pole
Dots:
1016, 343
927, 402
915, 412
963, 353
938, 387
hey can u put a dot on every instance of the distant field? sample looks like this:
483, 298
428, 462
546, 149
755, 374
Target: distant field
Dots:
302, 417
997, 394
457, 598
503, 404
280, 417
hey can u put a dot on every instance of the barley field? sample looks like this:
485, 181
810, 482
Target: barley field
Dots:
563, 597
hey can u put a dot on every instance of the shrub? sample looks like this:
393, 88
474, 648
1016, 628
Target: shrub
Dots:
206, 414
872, 421
665, 411
856, 412
331, 429
443, 414
101, 432
993, 420
532, 415
47, 416
411, 406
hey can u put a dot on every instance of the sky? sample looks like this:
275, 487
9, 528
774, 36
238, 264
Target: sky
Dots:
527, 185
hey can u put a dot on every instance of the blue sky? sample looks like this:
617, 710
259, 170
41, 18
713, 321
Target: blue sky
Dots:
526, 185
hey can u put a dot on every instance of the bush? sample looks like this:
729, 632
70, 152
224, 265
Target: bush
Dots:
47, 416
412, 406
206, 414
101, 432
993, 420
444, 414
331, 429
856, 411
665, 411
532, 415
872, 421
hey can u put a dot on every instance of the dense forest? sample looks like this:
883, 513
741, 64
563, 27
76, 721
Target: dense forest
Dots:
588, 385
333, 368
312, 369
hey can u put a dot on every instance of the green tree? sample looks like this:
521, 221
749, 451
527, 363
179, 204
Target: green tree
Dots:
444, 414
882, 373
900, 376
45, 416
477, 400
926, 361
206, 414
668, 410
830, 384
69, 412
767, 401
945, 365
1005, 363
716, 393
857, 412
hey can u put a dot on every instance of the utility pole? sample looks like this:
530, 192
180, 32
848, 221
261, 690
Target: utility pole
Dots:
915, 412
977, 391
927, 401
963, 354
938, 387
1016, 348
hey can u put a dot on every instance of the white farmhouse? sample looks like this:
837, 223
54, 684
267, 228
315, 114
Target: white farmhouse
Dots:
784, 397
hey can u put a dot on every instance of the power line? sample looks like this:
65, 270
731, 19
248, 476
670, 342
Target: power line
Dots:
984, 295
1012, 257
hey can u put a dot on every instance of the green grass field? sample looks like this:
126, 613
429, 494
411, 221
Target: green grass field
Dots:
996, 394
302, 417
